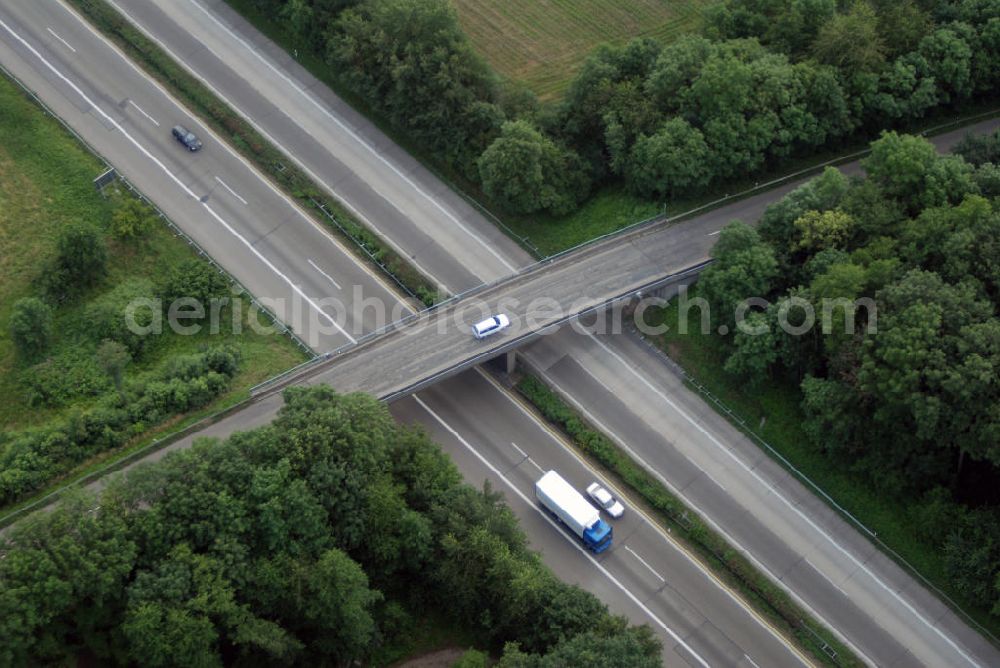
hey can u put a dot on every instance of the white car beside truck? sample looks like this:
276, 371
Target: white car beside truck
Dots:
605, 501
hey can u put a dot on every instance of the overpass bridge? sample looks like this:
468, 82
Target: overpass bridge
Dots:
417, 351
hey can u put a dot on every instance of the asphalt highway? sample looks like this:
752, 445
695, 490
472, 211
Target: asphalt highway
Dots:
251, 229
423, 219
104, 99
491, 439
225, 205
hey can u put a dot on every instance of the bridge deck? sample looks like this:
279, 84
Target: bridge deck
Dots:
440, 343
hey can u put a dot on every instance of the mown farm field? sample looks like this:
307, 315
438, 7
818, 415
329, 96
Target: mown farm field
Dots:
543, 42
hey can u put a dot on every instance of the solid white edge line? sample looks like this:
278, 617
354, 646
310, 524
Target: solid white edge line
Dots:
173, 177
562, 533
358, 139
858, 563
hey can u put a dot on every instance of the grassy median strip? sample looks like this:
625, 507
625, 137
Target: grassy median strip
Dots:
244, 138
766, 597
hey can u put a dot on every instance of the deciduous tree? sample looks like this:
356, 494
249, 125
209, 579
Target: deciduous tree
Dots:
80, 263
525, 172
674, 160
852, 41
744, 268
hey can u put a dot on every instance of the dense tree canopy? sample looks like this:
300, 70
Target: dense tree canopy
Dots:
907, 391
410, 58
766, 80
311, 541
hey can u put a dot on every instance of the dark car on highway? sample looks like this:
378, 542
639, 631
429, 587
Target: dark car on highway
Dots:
186, 137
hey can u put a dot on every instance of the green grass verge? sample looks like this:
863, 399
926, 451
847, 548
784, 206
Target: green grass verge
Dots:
364, 242
775, 411
769, 599
608, 210
425, 635
46, 182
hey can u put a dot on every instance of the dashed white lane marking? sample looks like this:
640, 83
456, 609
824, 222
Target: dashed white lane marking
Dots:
712, 234
525, 457
231, 191
236, 156
328, 276
858, 564
824, 576
361, 141
65, 43
141, 111
644, 563
519, 450
652, 523
173, 177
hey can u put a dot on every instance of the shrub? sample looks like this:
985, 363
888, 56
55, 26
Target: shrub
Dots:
131, 219
32, 457
58, 380
193, 279
31, 327
80, 263
107, 315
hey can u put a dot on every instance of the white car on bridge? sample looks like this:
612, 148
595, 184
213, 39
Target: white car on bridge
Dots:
490, 326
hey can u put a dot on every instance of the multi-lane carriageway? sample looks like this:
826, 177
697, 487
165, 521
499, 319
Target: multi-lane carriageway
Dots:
277, 252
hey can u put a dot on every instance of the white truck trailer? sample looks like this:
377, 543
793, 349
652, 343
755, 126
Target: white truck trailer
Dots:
572, 509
